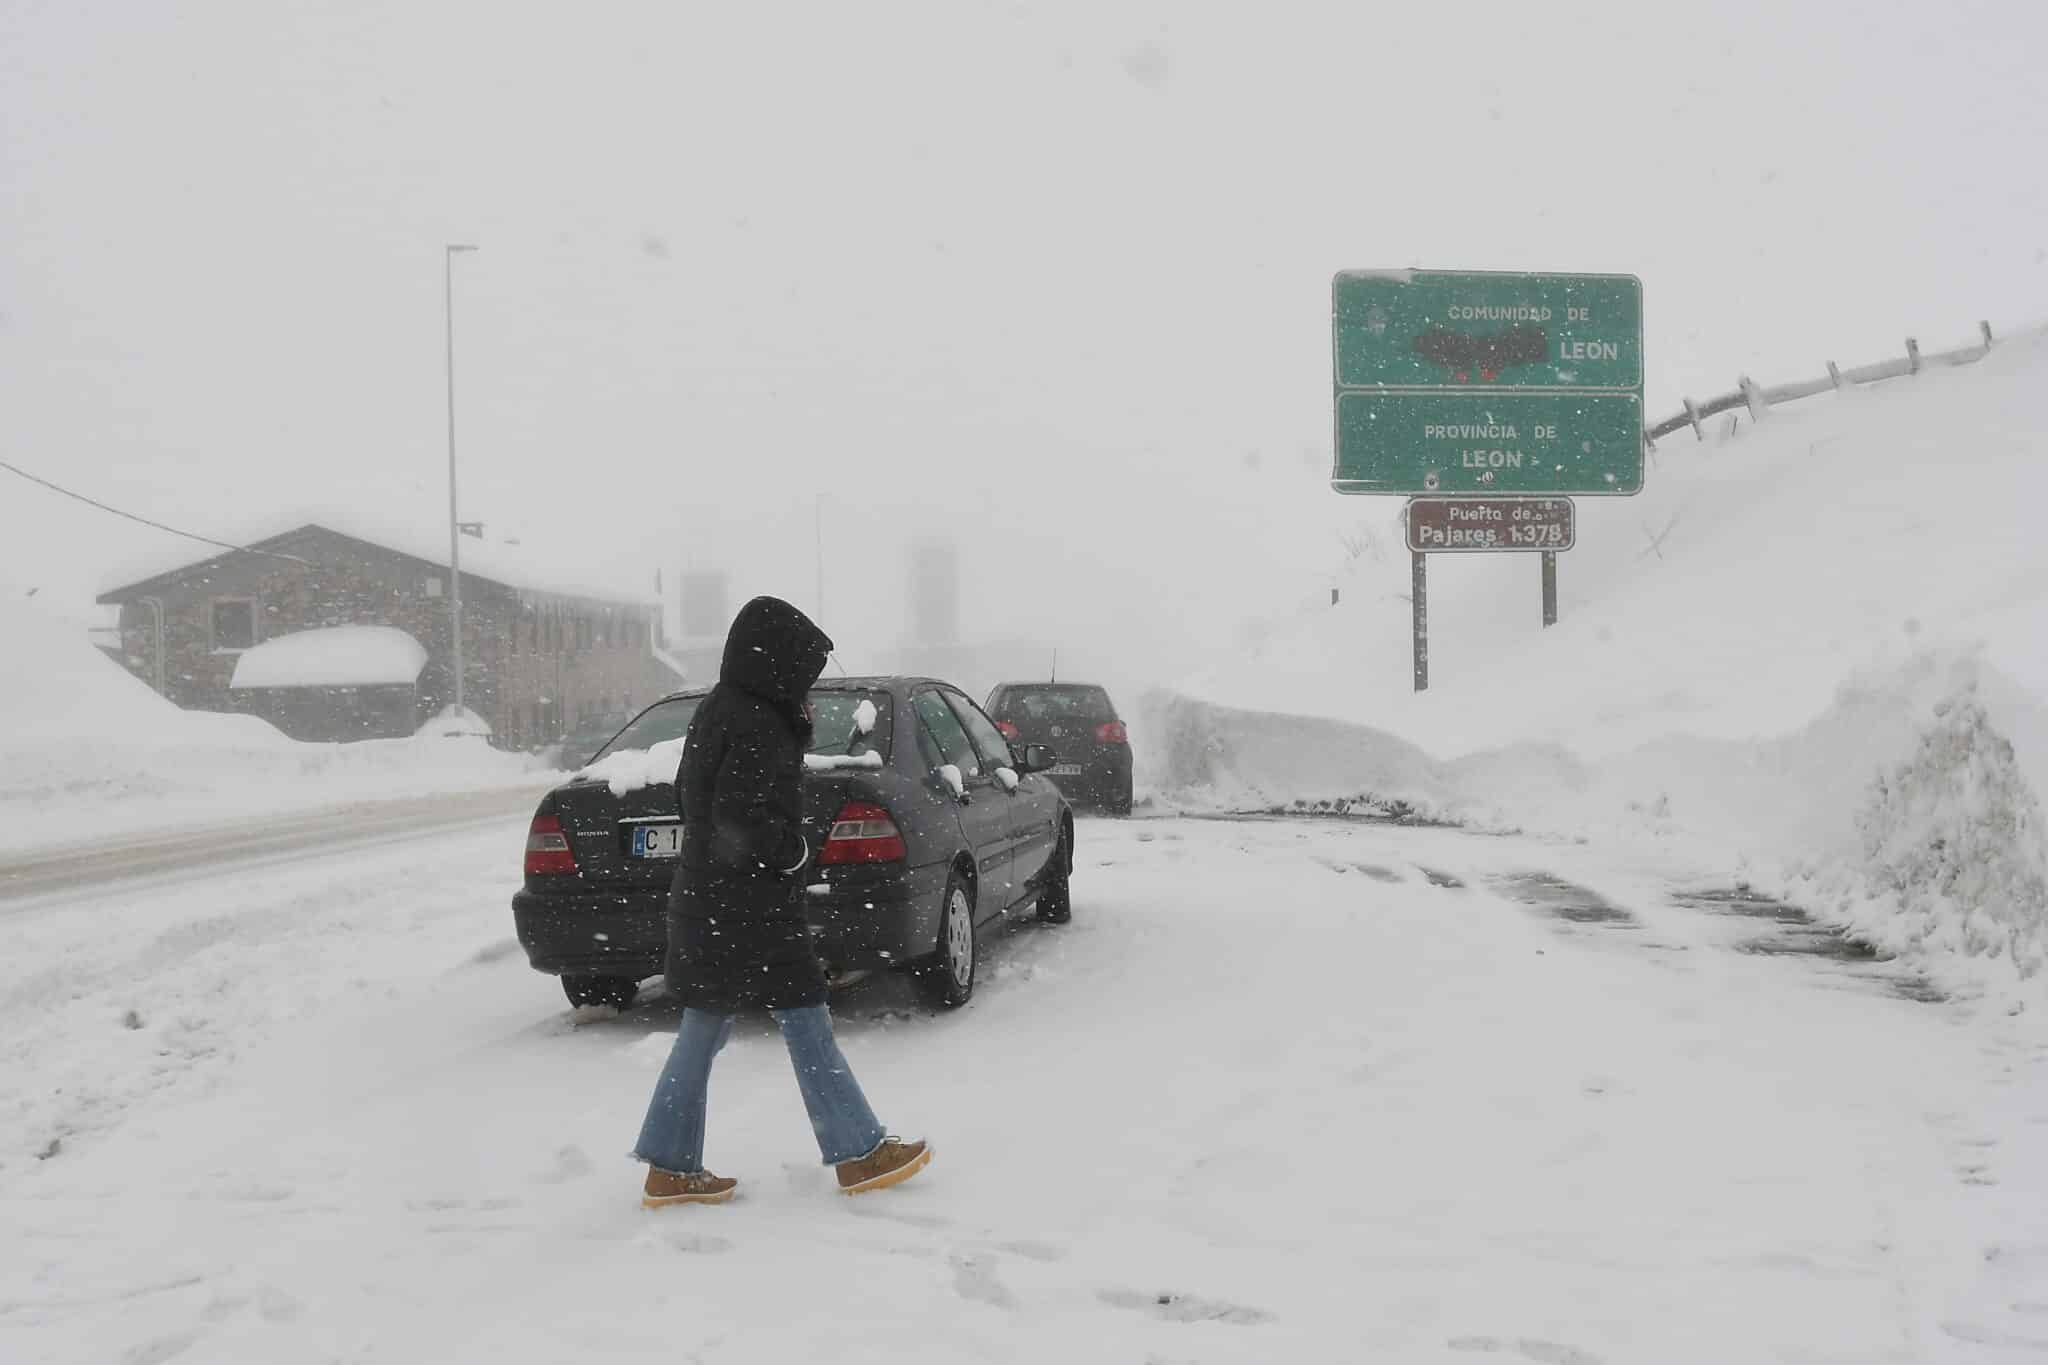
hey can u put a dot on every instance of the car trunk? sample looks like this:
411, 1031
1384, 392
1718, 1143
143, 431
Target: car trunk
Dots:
600, 826
600, 829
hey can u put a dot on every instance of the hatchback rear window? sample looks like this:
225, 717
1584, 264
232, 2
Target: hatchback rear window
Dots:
1054, 702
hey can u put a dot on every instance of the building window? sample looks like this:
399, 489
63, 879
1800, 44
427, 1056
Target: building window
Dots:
234, 623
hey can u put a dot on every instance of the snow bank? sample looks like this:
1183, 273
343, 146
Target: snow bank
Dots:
333, 656
1794, 647
628, 770
88, 752
456, 722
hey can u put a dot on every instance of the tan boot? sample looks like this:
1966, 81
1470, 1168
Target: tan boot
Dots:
685, 1187
892, 1163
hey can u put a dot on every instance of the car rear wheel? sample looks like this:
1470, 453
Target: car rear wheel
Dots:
616, 991
1056, 902
947, 978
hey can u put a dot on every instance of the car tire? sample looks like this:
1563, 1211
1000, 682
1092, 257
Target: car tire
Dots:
616, 991
1120, 804
1056, 901
947, 977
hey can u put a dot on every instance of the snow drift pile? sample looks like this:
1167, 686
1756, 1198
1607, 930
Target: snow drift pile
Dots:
1817, 645
88, 752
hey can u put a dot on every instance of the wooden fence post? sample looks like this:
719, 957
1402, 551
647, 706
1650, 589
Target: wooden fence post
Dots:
1912, 356
1753, 397
1985, 328
1835, 374
1692, 411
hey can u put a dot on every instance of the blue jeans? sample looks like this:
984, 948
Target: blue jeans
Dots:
672, 1138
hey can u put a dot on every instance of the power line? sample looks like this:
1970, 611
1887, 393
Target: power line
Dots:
157, 525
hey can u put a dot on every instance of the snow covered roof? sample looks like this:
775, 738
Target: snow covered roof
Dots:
336, 656
512, 561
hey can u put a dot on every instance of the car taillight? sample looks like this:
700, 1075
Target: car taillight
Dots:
863, 833
1010, 732
547, 848
1112, 732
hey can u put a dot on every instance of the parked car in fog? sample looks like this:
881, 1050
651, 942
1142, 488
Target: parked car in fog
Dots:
1080, 724
924, 822
584, 741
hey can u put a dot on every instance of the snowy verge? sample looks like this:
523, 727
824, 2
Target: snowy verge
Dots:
1908, 812
88, 752
1198, 757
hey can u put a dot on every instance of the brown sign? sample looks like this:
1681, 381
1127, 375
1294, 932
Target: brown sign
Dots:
1470, 525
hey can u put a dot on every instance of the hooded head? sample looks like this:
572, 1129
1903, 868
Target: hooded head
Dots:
776, 653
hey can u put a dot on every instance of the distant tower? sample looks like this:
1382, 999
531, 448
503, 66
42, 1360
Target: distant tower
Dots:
934, 593
706, 612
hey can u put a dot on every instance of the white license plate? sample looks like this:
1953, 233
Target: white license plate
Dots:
1066, 770
657, 841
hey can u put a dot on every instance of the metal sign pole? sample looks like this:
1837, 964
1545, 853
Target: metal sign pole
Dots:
1420, 598
1549, 588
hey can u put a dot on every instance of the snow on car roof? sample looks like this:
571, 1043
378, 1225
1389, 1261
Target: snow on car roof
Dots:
333, 656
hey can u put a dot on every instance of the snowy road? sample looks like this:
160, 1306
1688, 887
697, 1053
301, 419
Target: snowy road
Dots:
69, 870
1281, 1092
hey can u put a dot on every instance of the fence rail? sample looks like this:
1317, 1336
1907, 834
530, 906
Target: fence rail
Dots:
1757, 399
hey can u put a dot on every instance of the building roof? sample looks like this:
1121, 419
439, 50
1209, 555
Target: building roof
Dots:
333, 656
509, 562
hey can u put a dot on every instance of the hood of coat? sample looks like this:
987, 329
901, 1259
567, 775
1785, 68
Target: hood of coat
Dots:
774, 652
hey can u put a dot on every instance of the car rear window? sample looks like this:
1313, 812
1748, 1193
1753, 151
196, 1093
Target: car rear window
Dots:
665, 720
834, 721
1055, 702
834, 717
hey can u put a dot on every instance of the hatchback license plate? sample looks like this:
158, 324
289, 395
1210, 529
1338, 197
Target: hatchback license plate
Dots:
657, 841
1066, 770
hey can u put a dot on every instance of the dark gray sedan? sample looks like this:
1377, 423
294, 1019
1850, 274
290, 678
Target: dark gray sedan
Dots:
926, 826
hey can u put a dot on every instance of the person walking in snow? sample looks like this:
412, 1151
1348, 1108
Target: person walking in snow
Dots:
736, 931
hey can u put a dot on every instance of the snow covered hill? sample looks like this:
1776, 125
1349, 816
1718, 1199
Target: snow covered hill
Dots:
1819, 643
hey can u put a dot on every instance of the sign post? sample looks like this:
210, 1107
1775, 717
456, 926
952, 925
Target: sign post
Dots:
1490, 399
1419, 595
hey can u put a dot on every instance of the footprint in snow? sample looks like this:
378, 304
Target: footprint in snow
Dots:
1992, 1336
571, 1163
1172, 1307
1034, 1251
974, 1279
160, 1349
1529, 1348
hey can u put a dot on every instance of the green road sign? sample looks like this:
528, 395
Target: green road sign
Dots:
1434, 329
1462, 442
1488, 383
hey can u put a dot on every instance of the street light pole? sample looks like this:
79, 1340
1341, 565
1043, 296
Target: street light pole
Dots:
454, 527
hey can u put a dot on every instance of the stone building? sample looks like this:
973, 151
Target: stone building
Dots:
539, 655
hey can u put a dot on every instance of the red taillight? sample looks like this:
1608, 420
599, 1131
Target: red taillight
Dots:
863, 833
1112, 732
1010, 732
547, 849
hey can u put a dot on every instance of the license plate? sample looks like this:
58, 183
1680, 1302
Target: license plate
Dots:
1066, 770
657, 841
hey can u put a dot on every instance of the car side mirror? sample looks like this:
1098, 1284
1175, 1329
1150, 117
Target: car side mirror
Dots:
1037, 758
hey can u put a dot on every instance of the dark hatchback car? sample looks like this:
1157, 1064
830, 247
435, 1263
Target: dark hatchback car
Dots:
1079, 723
924, 823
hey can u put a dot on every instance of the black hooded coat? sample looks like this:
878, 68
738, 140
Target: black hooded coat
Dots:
736, 932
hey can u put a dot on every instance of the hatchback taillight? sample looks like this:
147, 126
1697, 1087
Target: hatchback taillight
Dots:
547, 849
1112, 732
863, 833
1010, 732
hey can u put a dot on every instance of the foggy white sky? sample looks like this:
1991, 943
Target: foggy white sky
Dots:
1052, 279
